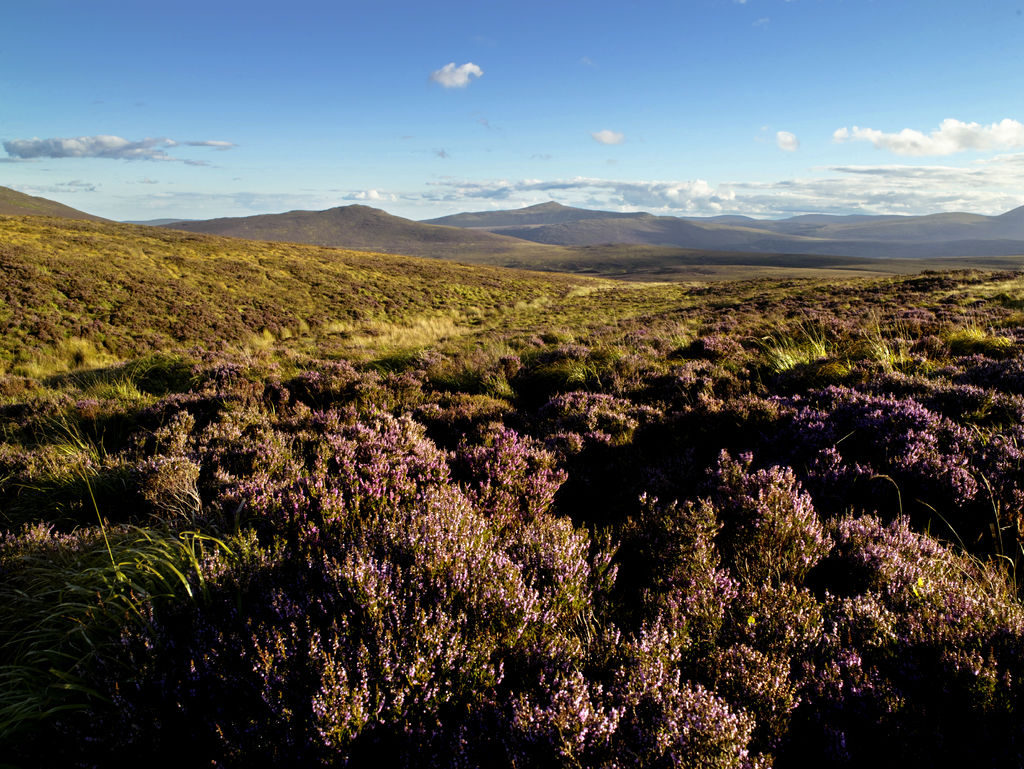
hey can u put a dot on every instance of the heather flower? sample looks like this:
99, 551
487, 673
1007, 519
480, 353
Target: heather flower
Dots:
772, 533
509, 476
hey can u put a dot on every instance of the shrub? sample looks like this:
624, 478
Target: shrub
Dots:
771, 532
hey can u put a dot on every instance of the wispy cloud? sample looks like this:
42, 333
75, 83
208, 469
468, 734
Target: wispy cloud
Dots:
158, 203
452, 76
217, 145
608, 137
952, 136
787, 141
60, 188
104, 146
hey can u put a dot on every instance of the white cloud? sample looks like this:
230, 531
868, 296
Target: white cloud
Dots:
103, 146
696, 196
371, 195
451, 76
608, 137
787, 141
951, 136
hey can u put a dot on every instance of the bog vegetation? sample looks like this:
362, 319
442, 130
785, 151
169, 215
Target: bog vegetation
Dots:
267, 504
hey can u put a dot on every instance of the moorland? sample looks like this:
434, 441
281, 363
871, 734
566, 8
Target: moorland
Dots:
283, 504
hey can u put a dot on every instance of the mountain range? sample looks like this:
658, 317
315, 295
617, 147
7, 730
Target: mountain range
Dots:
546, 230
363, 228
551, 235
935, 235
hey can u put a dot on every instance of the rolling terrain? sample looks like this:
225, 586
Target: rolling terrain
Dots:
14, 203
637, 246
267, 503
561, 238
615, 245
365, 228
141, 289
889, 237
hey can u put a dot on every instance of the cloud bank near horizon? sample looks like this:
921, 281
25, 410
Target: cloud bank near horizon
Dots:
992, 186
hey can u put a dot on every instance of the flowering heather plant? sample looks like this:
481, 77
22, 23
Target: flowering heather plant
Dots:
1003, 375
598, 417
666, 720
670, 567
771, 532
926, 454
762, 683
456, 416
329, 384
917, 639
400, 609
510, 476
715, 347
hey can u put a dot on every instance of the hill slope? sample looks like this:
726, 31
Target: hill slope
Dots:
359, 227
136, 289
14, 203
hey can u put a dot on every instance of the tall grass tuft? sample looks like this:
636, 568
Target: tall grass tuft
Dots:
64, 600
974, 339
806, 344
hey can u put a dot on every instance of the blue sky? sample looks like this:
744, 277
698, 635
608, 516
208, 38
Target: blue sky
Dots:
767, 108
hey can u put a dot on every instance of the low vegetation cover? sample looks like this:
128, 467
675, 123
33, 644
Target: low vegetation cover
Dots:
351, 509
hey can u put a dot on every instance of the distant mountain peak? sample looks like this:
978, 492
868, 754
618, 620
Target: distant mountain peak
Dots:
357, 227
358, 207
551, 205
1016, 213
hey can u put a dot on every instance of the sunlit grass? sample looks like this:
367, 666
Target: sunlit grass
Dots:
787, 350
973, 339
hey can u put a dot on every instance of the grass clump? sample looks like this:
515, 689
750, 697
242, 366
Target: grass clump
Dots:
64, 601
785, 351
975, 340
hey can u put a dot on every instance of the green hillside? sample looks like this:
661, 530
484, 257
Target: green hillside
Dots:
369, 229
131, 289
13, 203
